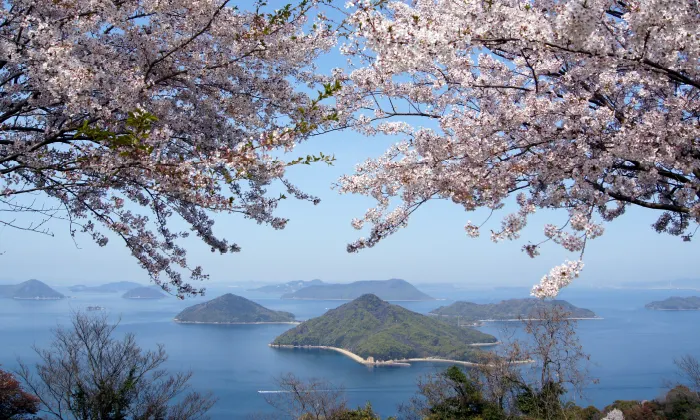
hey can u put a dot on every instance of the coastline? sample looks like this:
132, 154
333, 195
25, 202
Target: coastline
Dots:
534, 319
38, 298
348, 300
663, 309
398, 362
177, 321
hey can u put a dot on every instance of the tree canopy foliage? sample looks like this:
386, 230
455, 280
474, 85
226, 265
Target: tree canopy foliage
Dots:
585, 106
129, 113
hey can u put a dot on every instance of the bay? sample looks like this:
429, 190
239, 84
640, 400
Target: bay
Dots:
632, 349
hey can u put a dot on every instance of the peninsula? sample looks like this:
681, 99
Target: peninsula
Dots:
676, 303
232, 309
144, 293
393, 289
506, 310
375, 332
115, 287
289, 287
30, 290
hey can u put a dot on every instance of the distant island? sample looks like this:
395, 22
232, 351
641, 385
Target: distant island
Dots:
393, 289
289, 287
375, 332
30, 290
115, 287
506, 310
676, 303
232, 309
144, 293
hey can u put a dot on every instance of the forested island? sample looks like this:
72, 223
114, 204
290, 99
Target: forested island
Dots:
114, 287
676, 303
144, 293
373, 331
289, 287
392, 289
232, 309
30, 290
511, 309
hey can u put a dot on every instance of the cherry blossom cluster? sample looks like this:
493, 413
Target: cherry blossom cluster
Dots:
589, 106
614, 414
129, 113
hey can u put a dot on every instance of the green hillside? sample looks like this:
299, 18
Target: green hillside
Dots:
676, 303
231, 309
369, 326
392, 289
507, 309
30, 290
144, 293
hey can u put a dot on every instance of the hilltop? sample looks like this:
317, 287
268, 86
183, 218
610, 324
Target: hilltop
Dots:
30, 290
507, 309
676, 303
393, 289
119, 286
232, 309
372, 328
289, 287
144, 293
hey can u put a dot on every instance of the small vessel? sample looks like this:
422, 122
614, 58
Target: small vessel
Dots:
95, 308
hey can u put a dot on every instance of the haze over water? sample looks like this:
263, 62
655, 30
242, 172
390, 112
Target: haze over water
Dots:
632, 349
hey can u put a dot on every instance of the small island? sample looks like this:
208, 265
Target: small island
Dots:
393, 289
144, 293
115, 287
30, 290
289, 287
676, 303
232, 309
507, 310
375, 332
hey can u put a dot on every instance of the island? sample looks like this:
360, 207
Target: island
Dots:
375, 332
676, 303
232, 309
30, 290
393, 289
144, 293
289, 287
507, 310
115, 287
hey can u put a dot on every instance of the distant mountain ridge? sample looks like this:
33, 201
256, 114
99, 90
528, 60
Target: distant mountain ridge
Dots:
114, 287
289, 287
392, 289
30, 290
232, 309
507, 309
144, 293
676, 303
373, 328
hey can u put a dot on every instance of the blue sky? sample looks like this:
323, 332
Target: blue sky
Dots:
434, 247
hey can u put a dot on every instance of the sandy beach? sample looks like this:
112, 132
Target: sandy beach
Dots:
398, 362
236, 323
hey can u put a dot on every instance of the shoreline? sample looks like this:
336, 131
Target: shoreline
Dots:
349, 300
660, 309
177, 321
397, 362
535, 319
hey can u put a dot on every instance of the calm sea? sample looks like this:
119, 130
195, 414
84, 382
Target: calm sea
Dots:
632, 349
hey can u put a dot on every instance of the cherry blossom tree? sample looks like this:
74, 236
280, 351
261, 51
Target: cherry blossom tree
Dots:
122, 115
586, 106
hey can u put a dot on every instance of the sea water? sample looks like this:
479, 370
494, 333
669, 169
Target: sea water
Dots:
632, 349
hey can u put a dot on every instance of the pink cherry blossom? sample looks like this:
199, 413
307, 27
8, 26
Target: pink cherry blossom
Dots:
585, 106
129, 114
